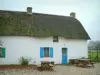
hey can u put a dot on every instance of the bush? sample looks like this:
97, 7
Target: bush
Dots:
24, 61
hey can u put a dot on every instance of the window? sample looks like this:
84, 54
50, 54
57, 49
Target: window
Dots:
64, 53
55, 38
46, 52
2, 52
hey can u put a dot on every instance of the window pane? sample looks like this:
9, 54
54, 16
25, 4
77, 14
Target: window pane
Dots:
55, 38
46, 51
0, 52
64, 51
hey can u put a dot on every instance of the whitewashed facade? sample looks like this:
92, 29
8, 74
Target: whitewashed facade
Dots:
17, 46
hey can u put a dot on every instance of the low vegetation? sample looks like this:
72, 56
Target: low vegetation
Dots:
24, 61
93, 56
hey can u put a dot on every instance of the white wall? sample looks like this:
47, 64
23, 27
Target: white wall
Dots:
17, 46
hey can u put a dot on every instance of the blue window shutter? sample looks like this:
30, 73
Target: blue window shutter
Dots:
51, 52
41, 52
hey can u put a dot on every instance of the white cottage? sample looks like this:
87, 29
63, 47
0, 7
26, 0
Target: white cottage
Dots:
42, 37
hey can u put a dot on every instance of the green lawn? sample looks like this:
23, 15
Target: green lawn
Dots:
92, 55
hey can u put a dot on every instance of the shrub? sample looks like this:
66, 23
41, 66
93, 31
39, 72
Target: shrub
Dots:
24, 61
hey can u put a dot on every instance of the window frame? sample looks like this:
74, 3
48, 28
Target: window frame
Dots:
47, 54
55, 39
2, 52
64, 51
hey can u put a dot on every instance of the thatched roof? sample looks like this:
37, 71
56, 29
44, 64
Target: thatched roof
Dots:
14, 23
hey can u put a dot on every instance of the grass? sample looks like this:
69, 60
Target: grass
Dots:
92, 55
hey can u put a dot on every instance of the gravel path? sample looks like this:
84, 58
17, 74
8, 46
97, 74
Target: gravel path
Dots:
58, 70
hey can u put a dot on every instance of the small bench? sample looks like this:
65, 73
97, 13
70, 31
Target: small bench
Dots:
73, 61
84, 62
81, 62
45, 66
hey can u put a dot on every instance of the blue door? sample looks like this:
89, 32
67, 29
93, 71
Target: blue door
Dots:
64, 55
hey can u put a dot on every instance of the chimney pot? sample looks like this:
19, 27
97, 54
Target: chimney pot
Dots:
29, 10
73, 14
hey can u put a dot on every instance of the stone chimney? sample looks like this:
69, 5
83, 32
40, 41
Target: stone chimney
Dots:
72, 14
29, 10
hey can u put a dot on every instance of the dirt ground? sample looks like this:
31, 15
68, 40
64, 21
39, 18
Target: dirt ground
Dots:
58, 70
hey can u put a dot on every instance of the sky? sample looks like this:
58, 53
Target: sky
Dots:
87, 11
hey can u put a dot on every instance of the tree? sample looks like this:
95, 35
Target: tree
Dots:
91, 45
94, 45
